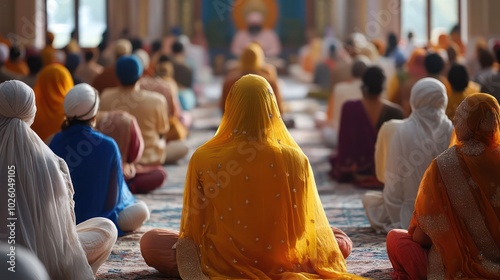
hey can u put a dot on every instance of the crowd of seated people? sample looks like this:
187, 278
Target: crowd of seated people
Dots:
438, 90
408, 123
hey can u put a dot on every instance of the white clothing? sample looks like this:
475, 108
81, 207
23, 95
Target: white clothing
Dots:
97, 236
343, 92
43, 192
133, 216
416, 141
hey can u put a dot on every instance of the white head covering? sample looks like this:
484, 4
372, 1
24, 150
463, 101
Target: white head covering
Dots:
44, 209
416, 142
81, 102
428, 96
4, 52
185, 41
143, 57
17, 100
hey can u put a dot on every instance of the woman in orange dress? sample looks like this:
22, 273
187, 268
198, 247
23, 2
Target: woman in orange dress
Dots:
455, 229
251, 208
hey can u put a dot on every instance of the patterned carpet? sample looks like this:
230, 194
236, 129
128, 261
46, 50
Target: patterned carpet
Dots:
342, 203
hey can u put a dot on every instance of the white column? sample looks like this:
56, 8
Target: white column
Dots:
338, 18
155, 20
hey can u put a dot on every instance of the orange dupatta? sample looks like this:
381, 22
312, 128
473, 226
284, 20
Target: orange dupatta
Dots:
52, 85
458, 204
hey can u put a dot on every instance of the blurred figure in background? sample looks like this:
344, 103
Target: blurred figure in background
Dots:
434, 66
35, 65
461, 87
322, 78
49, 53
310, 57
409, 46
52, 85
256, 33
252, 61
16, 62
90, 69
108, 78
400, 85
72, 63
456, 39
163, 83
487, 63
184, 77
393, 51
342, 93
359, 125
492, 85
5, 74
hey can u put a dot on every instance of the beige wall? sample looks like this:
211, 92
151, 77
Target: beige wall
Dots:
148, 19
23, 21
372, 17
483, 18
7, 22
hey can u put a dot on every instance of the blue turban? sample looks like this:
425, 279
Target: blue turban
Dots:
129, 69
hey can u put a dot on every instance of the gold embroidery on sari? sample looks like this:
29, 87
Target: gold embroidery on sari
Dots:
188, 260
463, 202
435, 265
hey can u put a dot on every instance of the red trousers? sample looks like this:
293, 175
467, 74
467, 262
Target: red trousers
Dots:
408, 258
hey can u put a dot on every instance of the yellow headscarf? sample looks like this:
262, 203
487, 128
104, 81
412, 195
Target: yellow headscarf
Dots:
251, 207
52, 85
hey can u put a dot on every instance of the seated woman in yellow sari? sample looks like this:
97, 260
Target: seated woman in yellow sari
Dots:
455, 229
251, 207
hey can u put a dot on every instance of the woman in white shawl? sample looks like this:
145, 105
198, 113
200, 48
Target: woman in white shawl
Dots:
37, 196
403, 152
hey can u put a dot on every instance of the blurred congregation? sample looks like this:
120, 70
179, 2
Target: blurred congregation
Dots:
106, 90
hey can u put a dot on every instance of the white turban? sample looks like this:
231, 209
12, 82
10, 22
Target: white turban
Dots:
17, 100
4, 52
81, 102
